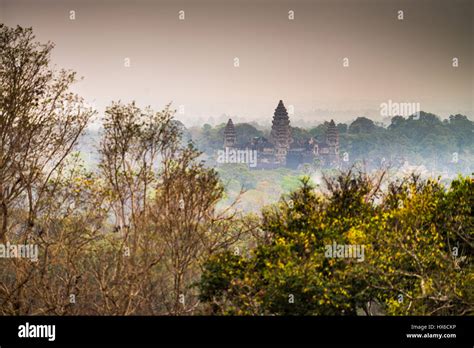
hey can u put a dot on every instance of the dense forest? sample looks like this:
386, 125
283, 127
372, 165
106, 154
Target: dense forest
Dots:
145, 232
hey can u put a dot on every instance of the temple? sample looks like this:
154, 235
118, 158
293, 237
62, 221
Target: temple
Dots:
327, 151
282, 151
229, 135
280, 135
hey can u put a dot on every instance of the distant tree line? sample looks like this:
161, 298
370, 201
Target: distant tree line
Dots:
422, 139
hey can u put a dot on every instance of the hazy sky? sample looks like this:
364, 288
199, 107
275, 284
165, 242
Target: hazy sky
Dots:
191, 62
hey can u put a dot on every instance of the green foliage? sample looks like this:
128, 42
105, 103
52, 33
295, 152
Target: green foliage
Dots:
238, 172
412, 261
362, 125
209, 139
407, 231
290, 183
300, 135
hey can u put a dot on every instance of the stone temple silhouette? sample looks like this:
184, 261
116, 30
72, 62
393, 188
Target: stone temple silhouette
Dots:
282, 151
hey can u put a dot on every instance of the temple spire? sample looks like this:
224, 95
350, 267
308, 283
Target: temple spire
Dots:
332, 139
332, 135
230, 136
280, 135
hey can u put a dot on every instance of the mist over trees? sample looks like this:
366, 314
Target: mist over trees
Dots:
144, 233
420, 140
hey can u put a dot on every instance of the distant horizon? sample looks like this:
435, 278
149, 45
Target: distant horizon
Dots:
222, 119
239, 57
294, 121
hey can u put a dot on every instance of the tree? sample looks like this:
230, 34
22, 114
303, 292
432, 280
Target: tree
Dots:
132, 142
288, 273
408, 233
188, 225
411, 262
164, 207
362, 125
40, 123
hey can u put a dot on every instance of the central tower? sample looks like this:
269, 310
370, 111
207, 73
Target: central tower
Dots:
280, 135
332, 140
230, 137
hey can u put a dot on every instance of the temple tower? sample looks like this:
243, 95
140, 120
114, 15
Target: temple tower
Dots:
230, 137
280, 135
332, 139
